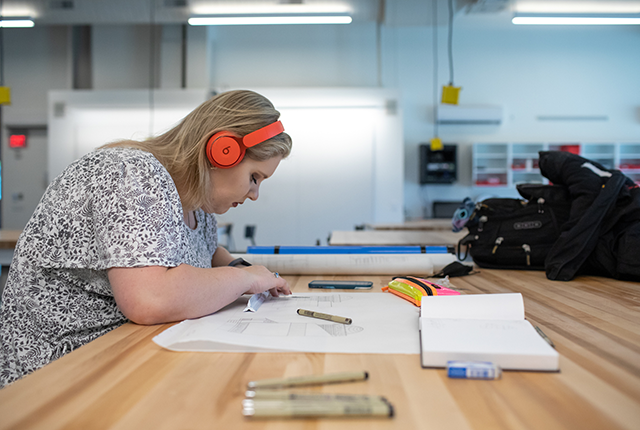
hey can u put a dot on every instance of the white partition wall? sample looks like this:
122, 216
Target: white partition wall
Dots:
346, 167
80, 121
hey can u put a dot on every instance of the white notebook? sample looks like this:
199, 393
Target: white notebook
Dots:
482, 327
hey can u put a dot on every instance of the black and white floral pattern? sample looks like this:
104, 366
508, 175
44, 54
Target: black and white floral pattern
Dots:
113, 207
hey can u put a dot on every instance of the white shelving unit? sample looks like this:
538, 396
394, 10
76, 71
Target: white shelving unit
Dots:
628, 160
524, 163
490, 164
509, 164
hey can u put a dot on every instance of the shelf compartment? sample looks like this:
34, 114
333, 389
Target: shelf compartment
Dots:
491, 150
491, 163
526, 150
629, 164
573, 148
629, 150
598, 150
491, 179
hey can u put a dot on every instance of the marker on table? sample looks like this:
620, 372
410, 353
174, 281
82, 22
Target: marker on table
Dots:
297, 381
295, 409
313, 314
283, 395
306, 400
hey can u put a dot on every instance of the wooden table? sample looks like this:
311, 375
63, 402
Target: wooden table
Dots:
399, 237
8, 240
125, 381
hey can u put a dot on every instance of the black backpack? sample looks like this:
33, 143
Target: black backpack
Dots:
506, 233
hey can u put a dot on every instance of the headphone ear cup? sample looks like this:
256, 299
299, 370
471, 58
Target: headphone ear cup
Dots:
225, 150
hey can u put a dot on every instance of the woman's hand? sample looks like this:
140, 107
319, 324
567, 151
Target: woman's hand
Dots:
265, 280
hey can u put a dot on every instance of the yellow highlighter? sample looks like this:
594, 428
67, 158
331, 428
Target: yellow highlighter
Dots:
414, 289
405, 291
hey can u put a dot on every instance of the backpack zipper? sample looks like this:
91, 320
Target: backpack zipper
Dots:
497, 243
527, 251
481, 221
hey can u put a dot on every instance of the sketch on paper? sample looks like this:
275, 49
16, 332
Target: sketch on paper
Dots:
382, 324
269, 327
321, 301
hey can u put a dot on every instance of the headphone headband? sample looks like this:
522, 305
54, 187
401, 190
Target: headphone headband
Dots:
262, 134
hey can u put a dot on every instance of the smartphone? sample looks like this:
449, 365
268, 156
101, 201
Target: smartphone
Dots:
342, 285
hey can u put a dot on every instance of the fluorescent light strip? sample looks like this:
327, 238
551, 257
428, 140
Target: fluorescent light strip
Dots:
16, 23
270, 20
576, 19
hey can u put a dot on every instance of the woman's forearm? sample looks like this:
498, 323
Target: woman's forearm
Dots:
155, 294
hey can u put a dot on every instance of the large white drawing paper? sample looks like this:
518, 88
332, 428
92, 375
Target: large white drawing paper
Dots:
382, 323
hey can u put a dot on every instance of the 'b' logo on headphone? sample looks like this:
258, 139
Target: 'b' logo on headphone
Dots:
225, 151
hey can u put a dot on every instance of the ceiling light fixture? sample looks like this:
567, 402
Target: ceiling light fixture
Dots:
271, 19
575, 19
16, 22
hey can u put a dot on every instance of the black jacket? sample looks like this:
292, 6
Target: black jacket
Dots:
602, 235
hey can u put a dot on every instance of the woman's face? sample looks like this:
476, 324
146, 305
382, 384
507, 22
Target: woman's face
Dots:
231, 187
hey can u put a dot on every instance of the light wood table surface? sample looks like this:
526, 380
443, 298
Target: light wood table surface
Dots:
8, 240
395, 237
125, 381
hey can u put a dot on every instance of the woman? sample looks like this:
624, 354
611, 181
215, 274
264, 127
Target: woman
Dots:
127, 233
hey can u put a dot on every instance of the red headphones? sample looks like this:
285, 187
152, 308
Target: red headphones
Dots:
225, 149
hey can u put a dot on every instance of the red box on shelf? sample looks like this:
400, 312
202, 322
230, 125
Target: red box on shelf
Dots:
630, 164
574, 149
519, 164
490, 181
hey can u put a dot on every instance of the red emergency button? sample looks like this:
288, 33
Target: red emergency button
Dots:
17, 141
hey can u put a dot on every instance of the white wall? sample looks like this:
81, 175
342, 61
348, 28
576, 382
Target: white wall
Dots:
338, 175
35, 60
293, 56
529, 71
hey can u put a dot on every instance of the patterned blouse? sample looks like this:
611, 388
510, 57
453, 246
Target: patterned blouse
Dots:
115, 207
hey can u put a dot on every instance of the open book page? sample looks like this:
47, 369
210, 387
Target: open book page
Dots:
482, 327
510, 344
475, 306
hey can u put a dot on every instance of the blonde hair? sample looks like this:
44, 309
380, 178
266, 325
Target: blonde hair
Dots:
181, 150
